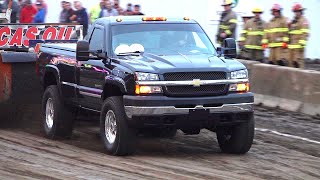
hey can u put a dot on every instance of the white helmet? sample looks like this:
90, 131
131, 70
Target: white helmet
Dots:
247, 14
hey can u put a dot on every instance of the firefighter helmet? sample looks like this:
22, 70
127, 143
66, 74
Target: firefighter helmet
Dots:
257, 10
247, 15
297, 7
227, 2
276, 7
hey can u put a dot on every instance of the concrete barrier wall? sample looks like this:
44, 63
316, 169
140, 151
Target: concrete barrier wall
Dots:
287, 88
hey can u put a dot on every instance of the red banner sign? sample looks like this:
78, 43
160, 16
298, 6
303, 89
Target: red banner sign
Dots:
19, 35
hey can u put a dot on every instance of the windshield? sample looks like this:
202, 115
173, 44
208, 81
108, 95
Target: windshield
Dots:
163, 39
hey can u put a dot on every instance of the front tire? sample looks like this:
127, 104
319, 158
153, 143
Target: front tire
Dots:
57, 119
118, 138
236, 139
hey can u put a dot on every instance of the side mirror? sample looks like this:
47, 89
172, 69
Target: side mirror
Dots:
219, 50
82, 51
229, 48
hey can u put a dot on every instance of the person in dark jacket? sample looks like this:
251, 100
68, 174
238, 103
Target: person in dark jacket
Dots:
41, 14
137, 10
81, 16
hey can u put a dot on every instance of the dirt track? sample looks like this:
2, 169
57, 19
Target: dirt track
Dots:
25, 153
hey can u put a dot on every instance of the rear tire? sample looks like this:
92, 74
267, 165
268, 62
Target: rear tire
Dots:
236, 139
57, 119
118, 138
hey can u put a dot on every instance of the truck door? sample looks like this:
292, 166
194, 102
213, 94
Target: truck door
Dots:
92, 74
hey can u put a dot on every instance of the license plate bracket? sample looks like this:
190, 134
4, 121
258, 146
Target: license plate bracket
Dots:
198, 114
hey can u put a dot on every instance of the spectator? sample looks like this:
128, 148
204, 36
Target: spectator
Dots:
71, 14
129, 10
28, 12
81, 16
14, 12
108, 10
95, 11
44, 5
63, 13
20, 6
136, 10
41, 14
116, 6
67, 13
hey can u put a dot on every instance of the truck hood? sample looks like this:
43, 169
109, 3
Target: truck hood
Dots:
179, 63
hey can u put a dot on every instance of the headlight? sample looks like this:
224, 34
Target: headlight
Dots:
242, 74
146, 76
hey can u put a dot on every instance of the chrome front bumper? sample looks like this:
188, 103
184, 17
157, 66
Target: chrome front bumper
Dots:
171, 110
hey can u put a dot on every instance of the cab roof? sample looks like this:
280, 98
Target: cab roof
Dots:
115, 20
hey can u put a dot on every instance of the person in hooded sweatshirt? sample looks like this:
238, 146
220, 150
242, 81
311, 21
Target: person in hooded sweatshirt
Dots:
28, 12
81, 16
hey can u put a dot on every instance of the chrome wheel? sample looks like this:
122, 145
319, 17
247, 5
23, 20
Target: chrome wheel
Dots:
110, 126
49, 113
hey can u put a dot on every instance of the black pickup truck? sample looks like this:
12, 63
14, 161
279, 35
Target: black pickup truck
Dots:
147, 75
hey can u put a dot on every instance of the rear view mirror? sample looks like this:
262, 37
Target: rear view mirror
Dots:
82, 51
229, 48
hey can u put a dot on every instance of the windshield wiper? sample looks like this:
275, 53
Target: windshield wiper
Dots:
137, 53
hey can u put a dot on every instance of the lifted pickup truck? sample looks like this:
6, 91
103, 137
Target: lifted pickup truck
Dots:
147, 74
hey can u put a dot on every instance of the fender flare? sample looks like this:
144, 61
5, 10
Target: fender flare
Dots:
115, 81
53, 69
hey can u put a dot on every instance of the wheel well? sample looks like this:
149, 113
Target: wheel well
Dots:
49, 79
111, 90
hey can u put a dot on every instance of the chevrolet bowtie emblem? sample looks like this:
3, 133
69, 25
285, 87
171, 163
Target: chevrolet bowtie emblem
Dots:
196, 82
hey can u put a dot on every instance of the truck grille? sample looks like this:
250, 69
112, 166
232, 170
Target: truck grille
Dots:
187, 91
181, 76
206, 90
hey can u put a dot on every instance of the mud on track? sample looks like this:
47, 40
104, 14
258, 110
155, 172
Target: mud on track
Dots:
25, 153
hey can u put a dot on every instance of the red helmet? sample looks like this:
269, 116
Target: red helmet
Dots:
276, 7
297, 7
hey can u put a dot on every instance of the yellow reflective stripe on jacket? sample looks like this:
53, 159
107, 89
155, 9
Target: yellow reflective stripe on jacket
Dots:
299, 32
244, 32
305, 30
285, 39
255, 33
253, 47
242, 39
228, 32
277, 30
275, 45
233, 21
302, 42
295, 46
264, 41
223, 27
296, 32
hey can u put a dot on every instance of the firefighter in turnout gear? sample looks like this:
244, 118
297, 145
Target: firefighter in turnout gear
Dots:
276, 37
298, 33
243, 51
228, 22
252, 34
